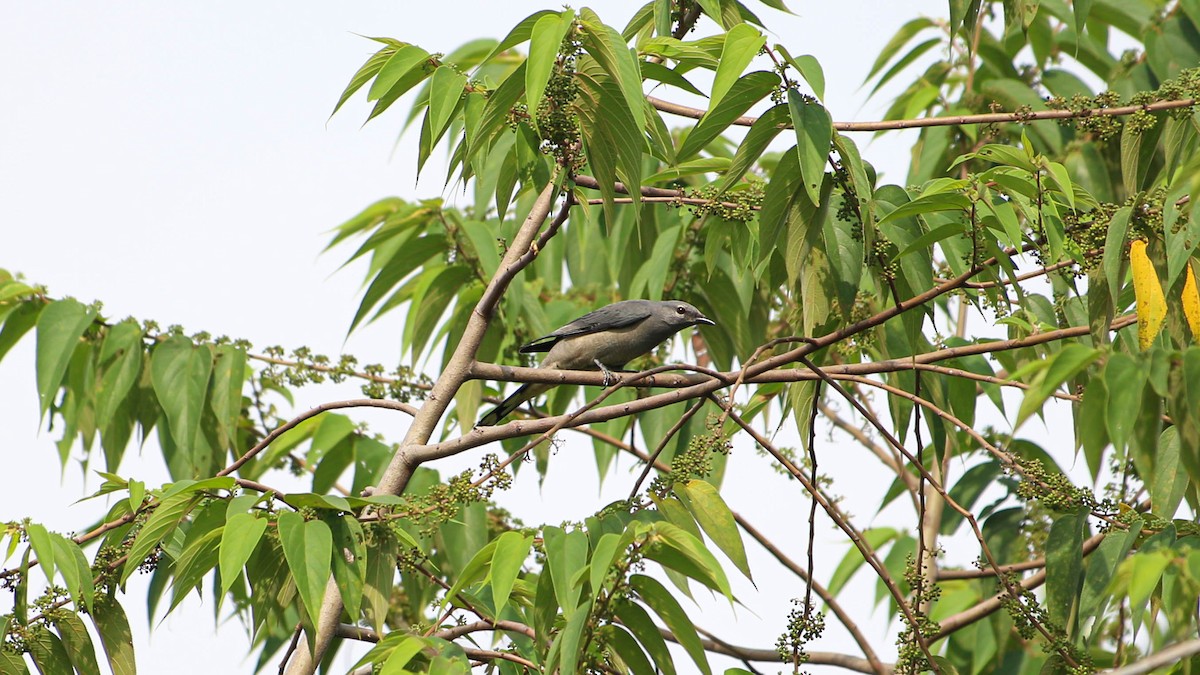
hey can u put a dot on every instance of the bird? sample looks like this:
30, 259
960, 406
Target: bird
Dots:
605, 340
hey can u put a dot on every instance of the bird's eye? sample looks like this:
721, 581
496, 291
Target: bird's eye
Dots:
679, 309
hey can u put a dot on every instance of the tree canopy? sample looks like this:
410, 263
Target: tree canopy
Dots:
1036, 268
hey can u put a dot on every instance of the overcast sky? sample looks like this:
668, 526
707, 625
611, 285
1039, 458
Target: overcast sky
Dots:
174, 161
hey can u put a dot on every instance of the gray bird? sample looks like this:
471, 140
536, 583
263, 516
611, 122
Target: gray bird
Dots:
605, 339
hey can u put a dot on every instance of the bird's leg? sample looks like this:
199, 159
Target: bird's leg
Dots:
604, 369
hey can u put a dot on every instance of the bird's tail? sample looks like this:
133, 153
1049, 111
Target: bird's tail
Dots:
518, 397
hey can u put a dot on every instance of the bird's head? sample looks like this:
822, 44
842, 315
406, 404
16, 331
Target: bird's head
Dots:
680, 315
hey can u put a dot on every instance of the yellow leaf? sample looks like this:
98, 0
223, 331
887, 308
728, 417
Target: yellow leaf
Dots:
1151, 303
1191, 304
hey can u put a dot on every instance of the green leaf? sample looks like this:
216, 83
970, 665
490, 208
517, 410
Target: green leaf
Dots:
664, 604
75, 571
49, 654
1170, 480
403, 60
714, 516
199, 555
162, 522
808, 67
307, 546
238, 540
113, 628
607, 46
566, 554
1064, 568
1063, 366
814, 136
179, 371
627, 649
544, 43
381, 574
638, 621
1124, 379
748, 90
225, 399
742, 44
13, 664
929, 203
902, 36
365, 72
754, 144
512, 548
43, 547
652, 70
121, 361
17, 323
675, 549
59, 328
77, 643
691, 168
349, 560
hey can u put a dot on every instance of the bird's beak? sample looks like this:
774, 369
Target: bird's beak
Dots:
705, 320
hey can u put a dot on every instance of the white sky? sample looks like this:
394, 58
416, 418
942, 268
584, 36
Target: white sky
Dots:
173, 160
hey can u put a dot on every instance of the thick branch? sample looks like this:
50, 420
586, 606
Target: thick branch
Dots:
520, 253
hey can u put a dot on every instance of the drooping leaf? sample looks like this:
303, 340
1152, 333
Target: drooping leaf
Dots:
814, 134
59, 328
113, 628
238, 540
307, 547
716, 519
660, 600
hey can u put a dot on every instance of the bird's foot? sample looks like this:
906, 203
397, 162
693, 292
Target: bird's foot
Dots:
608, 375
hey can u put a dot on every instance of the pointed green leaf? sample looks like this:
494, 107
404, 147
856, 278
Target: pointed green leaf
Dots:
742, 44
225, 400
1064, 567
75, 571
814, 136
566, 554
43, 548
512, 548
349, 560
667, 607
113, 628
638, 621
121, 361
364, 75
307, 546
1063, 366
714, 516
59, 328
609, 49
381, 574
77, 643
545, 41
165, 518
49, 654
445, 90
748, 90
626, 647
238, 540
179, 371
403, 60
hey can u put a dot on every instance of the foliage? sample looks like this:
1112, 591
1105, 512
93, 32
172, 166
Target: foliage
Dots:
1043, 241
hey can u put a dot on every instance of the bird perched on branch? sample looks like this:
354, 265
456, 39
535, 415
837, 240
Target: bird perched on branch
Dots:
606, 340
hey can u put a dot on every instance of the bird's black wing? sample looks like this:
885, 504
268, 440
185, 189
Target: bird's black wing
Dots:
609, 317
